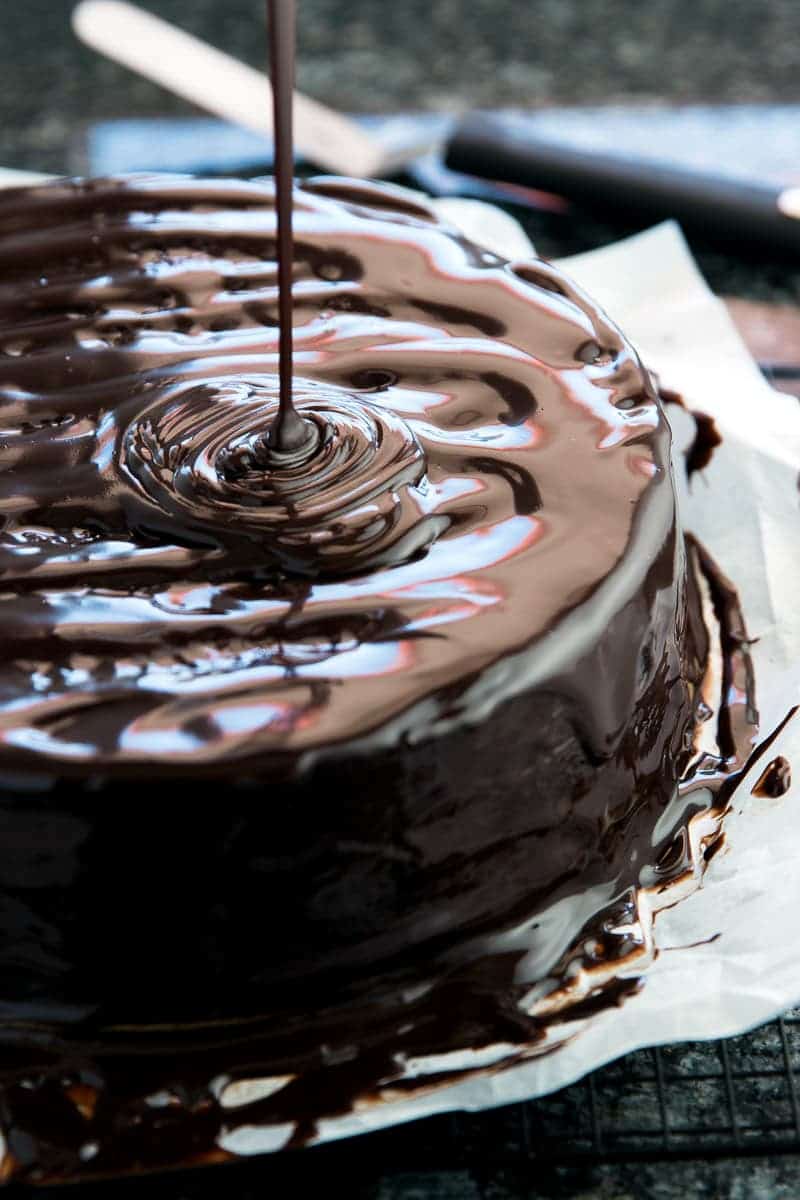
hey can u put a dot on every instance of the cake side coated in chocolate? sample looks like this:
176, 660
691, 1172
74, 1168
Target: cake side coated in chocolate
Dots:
276, 741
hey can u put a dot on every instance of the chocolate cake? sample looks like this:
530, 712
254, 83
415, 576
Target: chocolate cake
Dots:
313, 766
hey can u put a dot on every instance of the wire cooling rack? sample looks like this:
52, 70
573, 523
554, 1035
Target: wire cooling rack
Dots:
729, 1098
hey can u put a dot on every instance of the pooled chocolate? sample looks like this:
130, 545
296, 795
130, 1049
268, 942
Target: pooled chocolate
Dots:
775, 780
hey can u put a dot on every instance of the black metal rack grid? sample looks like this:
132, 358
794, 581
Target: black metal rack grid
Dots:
735, 1097
730, 1098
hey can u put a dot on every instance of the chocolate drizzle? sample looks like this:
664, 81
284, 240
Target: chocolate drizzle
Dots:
775, 780
289, 433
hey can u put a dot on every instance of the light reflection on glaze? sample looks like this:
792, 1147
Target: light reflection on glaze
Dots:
491, 405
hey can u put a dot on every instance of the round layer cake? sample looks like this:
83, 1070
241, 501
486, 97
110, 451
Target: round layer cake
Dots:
275, 737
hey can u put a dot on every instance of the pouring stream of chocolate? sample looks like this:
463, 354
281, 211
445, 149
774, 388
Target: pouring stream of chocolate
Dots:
289, 431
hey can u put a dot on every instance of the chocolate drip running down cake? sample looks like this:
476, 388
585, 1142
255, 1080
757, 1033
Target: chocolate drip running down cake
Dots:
309, 773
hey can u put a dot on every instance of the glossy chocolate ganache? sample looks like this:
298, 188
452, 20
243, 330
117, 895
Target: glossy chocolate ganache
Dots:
487, 491
317, 761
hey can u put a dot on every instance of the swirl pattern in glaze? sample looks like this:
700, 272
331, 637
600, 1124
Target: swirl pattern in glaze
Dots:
490, 455
356, 494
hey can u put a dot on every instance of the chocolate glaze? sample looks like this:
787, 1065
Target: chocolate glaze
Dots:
434, 689
153, 562
707, 437
705, 442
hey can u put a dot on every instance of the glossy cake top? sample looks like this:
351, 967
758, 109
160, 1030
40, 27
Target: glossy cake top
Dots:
488, 487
